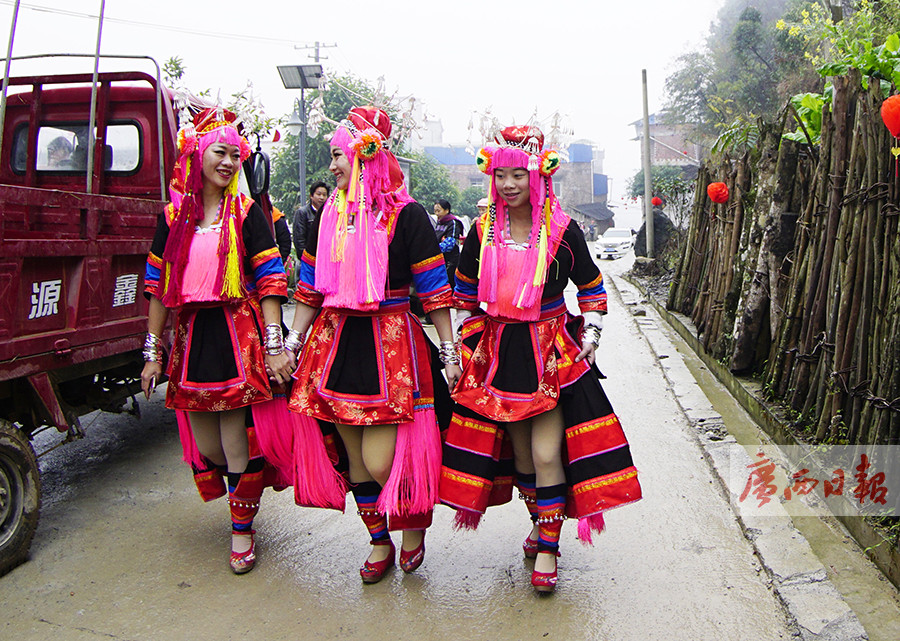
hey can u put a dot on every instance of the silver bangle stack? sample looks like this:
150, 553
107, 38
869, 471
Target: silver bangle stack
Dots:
294, 341
449, 355
153, 352
592, 333
274, 339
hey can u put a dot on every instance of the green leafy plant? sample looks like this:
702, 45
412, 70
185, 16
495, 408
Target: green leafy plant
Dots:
807, 109
740, 136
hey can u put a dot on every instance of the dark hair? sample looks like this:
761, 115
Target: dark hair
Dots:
316, 185
445, 204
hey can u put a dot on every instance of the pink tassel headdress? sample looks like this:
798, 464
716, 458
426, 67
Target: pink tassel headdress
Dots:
519, 147
351, 256
208, 127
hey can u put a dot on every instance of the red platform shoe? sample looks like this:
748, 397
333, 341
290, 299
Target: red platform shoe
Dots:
410, 561
243, 562
529, 547
374, 572
544, 581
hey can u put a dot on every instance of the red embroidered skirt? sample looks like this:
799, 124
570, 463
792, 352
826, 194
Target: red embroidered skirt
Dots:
364, 369
513, 371
217, 361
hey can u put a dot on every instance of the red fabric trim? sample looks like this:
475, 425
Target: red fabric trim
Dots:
308, 296
441, 301
272, 285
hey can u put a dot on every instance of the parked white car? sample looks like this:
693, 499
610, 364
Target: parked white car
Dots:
614, 243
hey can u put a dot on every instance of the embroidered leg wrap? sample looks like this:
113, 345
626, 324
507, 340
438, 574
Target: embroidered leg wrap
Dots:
366, 495
551, 507
244, 492
526, 484
411, 521
209, 480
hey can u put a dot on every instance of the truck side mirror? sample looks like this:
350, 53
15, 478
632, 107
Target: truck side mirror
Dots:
256, 169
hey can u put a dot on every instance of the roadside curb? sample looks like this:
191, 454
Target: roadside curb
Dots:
796, 575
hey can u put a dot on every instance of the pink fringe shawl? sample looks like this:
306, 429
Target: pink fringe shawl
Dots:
522, 297
292, 443
412, 487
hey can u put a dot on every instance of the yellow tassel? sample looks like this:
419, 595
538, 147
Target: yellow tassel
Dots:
232, 188
231, 284
354, 180
541, 268
340, 234
167, 270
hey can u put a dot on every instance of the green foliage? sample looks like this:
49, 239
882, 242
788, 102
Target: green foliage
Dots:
430, 182
173, 70
835, 47
736, 75
808, 109
665, 180
740, 136
468, 201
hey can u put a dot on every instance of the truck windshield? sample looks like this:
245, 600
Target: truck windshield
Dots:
63, 148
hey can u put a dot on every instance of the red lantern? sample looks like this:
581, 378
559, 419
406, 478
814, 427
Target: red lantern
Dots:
717, 192
656, 201
890, 114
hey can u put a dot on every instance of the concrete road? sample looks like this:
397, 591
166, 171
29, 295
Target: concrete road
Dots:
126, 550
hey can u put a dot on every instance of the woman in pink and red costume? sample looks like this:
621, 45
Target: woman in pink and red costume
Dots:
366, 365
529, 388
215, 263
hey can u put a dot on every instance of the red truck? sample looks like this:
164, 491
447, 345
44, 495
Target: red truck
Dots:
72, 252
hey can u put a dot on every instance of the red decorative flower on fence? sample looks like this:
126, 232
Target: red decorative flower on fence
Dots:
656, 201
717, 192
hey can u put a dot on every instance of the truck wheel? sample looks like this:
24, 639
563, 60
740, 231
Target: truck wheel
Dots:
20, 496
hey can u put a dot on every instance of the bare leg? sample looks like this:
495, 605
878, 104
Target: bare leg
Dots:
520, 433
378, 445
546, 451
353, 437
233, 428
546, 447
205, 426
222, 438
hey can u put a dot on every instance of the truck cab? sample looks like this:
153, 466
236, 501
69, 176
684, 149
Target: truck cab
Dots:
77, 217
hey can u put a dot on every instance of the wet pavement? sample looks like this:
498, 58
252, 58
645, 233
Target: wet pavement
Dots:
126, 550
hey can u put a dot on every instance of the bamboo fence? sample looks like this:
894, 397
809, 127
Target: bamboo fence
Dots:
796, 279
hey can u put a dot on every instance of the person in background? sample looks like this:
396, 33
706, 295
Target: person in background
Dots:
282, 234
482, 206
529, 382
59, 153
448, 229
304, 216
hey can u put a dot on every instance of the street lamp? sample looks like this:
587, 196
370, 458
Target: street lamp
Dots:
300, 77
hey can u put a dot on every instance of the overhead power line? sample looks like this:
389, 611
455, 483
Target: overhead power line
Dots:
151, 25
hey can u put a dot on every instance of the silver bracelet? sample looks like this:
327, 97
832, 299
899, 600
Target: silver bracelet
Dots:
274, 339
592, 334
294, 341
448, 353
153, 349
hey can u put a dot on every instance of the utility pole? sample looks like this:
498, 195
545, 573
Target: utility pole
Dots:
318, 57
317, 46
648, 179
